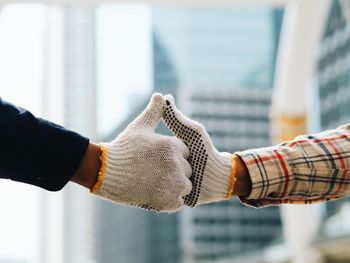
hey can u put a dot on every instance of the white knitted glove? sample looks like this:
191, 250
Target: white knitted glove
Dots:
145, 169
212, 177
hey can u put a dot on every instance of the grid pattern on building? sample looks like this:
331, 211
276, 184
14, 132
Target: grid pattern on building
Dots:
123, 234
164, 238
333, 77
133, 235
333, 70
235, 120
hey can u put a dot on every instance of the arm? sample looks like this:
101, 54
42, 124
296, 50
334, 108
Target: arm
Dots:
309, 169
36, 151
216, 175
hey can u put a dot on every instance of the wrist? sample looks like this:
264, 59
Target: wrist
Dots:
87, 172
243, 185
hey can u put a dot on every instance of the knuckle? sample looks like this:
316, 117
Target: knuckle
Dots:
170, 200
170, 205
173, 164
200, 128
181, 184
175, 204
186, 187
164, 143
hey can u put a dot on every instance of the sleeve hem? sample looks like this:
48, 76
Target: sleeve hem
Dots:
271, 175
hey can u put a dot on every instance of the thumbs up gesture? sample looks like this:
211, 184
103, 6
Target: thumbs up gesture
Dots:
145, 169
214, 173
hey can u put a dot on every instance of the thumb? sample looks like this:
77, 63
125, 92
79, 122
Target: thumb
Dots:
178, 123
152, 115
194, 135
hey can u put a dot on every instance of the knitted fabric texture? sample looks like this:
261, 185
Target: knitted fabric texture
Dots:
145, 169
233, 178
211, 169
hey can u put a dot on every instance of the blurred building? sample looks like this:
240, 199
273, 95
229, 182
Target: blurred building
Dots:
220, 62
221, 59
123, 234
69, 219
334, 96
333, 70
80, 116
89, 229
234, 120
333, 75
215, 47
133, 235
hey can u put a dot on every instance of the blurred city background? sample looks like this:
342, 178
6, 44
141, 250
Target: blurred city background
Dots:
254, 72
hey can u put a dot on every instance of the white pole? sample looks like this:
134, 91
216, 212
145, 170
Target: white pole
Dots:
300, 37
51, 214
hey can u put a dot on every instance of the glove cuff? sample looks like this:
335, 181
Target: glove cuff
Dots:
218, 180
112, 173
103, 157
233, 178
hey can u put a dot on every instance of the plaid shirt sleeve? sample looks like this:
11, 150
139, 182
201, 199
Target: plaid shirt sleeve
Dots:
309, 169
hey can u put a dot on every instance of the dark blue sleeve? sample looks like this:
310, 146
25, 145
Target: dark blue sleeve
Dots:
36, 151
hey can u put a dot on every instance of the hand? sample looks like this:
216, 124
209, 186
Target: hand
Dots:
145, 169
212, 177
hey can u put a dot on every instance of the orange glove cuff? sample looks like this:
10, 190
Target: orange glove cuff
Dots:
102, 171
232, 177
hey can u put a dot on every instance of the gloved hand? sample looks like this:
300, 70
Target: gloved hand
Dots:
145, 169
213, 172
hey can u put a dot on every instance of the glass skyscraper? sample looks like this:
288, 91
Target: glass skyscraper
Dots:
333, 76
215, 47
333, 81
220, 64
234, 120
333, 70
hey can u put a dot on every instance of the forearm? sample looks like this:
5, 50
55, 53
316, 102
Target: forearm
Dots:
309, 169
36, 151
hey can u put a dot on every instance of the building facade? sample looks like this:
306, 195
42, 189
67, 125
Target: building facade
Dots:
220, 64
235, 121
333, 76
69, 218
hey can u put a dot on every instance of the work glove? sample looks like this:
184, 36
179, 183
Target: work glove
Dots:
213, 172
144, 169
